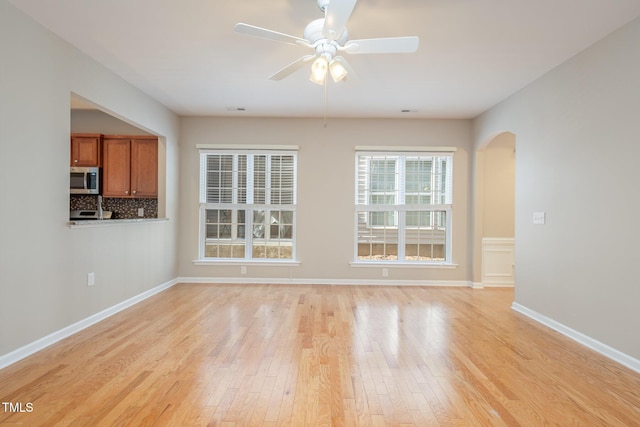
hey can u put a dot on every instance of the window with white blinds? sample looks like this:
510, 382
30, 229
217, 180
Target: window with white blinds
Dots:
403, 207
247, 204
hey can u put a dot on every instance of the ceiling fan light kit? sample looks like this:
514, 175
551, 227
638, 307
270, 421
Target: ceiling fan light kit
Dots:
319, 70
338, 71
327, 37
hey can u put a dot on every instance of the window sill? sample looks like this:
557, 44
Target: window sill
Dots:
392, 264
269, 263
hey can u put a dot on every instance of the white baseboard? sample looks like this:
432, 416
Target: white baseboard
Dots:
490, 284
35, 346
597, 346
299, 281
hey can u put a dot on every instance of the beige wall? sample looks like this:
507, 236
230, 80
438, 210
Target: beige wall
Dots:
326, 170
96, 121
577, 160
43, 263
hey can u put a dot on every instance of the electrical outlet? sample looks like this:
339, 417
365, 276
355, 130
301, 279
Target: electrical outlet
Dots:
91, 279
385, 272
539, 218
243, 270
140, 212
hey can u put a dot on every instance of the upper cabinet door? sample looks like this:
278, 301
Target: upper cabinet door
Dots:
85, 149
144, 167
116, 177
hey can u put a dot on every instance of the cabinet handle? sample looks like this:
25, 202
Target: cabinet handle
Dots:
126, 192
134, 191
75, 161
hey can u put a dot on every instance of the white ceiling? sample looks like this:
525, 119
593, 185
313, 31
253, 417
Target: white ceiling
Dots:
472, 54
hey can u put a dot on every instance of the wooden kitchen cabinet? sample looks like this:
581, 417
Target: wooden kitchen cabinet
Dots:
86, 149
116, 167
130, 166
144, 167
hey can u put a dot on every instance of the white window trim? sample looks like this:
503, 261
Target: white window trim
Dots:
249, 206
241, 262
403, 264
422, 150
404, 152
249, 147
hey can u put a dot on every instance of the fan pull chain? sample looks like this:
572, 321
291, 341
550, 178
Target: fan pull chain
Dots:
325, 100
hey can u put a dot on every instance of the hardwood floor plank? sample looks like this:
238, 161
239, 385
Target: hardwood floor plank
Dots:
304, 355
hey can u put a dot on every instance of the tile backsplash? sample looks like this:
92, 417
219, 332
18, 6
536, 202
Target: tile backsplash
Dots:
121, 208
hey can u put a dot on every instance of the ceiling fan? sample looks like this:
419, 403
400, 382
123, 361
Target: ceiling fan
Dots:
328, 38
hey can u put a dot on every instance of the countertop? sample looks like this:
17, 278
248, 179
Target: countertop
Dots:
112, 222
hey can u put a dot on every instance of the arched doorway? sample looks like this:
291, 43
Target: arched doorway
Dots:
494, 236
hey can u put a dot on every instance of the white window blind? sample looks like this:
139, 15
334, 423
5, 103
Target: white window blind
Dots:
247, 204
403, 206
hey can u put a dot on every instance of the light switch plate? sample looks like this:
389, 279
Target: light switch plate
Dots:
539, 218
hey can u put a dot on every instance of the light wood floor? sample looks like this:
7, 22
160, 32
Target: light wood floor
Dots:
320, 355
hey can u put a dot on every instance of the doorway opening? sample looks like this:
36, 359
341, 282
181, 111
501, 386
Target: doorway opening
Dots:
495, 212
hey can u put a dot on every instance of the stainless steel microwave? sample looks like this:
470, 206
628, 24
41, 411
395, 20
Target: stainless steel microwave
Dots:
85, 180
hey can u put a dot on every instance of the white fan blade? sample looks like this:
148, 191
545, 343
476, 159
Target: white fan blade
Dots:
263, 33
291, 68
336, 17
383, 45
